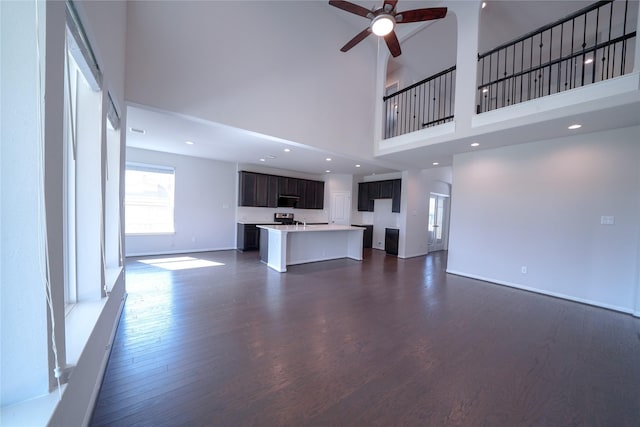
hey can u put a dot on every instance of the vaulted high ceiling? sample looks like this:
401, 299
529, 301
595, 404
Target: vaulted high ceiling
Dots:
273, 68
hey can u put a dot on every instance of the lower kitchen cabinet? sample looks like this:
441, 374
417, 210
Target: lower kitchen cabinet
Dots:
391, 239
248, 237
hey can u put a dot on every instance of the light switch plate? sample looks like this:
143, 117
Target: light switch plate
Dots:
607, 220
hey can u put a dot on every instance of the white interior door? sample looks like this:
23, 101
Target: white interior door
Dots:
438, 221
340, 208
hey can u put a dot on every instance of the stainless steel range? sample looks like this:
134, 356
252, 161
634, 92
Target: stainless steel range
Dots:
285, 218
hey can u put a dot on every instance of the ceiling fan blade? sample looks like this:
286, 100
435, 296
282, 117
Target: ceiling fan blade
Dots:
418, 15
351, 7
392, 3
357, 39
393, 44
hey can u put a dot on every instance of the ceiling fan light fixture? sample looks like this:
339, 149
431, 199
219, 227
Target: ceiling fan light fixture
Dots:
383, 24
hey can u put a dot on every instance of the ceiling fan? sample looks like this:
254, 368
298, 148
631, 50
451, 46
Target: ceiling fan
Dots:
384, 20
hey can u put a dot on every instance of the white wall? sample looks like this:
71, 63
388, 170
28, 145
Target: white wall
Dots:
21, 285
204, 206
291, 81
383, 218
540, 204
427, 52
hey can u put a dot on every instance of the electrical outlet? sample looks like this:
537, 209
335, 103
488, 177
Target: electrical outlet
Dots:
523, 269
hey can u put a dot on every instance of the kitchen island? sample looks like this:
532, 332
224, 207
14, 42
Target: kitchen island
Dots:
283, 245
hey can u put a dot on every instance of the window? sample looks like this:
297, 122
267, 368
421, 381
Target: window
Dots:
149, 193
83, 204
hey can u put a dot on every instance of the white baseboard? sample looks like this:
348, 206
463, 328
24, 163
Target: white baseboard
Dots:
546, 292
179, 251
413, 255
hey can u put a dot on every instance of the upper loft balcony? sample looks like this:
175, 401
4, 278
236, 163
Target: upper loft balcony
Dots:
583, 64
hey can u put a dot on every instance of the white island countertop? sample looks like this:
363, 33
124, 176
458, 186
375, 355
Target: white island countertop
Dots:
283, 245
309, 227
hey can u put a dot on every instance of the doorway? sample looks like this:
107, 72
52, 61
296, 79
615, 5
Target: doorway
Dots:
438, 222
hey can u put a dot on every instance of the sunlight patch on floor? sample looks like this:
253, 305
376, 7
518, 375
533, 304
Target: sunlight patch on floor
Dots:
180, 263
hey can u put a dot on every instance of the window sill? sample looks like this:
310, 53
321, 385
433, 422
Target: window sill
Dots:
79, 324
32, 412
81, 320
157, 233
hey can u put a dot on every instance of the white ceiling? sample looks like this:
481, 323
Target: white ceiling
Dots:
168, 132
165, 131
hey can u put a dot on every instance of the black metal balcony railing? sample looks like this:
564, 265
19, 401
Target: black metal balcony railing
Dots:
427, 103
588, 46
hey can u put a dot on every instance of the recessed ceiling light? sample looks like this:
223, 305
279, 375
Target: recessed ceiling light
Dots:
286, 150
484, 4
485, 90
435, 163
576, 126
189, 142
357, 166
328, 159
328, 171
588, 61
475, 144
137, 130
263, 160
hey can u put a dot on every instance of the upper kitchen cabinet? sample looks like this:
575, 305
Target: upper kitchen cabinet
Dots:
247, 187
369, 191
272, 191
288, 186
395, 195
365, 204
262, 190
386, 189
318, 199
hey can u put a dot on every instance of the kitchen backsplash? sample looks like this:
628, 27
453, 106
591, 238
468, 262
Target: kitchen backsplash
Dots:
257, 215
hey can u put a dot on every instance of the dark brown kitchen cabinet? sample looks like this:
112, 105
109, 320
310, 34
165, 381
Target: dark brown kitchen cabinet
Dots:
391, 240
318, 202
395, 197
386, 189
369, 191
272, 191
263, 190
248, 188
374, 190
304, 202
288, 186
248, 237
363, 197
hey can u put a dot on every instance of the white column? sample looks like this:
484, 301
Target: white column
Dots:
468, 20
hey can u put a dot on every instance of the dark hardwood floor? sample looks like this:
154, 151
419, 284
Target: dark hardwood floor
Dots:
381, 342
